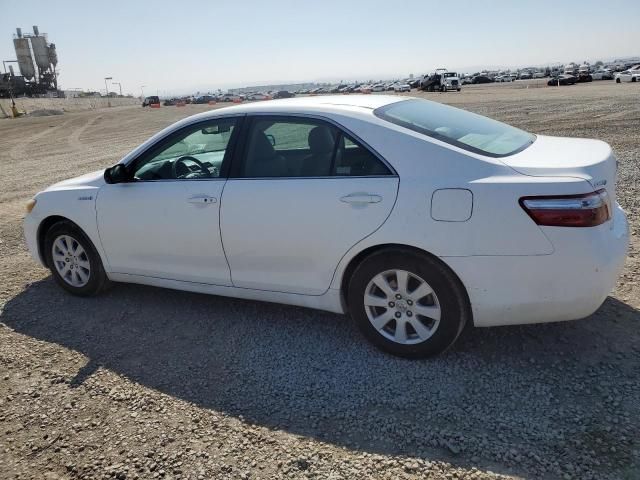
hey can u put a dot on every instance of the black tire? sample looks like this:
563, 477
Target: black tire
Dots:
618, 80
451, 296
633, 79
97, 281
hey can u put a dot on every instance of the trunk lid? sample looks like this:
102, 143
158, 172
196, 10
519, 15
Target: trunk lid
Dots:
591, 160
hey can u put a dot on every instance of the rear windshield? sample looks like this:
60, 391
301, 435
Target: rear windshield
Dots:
463, 129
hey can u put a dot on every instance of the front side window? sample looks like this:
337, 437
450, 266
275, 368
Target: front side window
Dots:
196, 152
463, 129
300, 147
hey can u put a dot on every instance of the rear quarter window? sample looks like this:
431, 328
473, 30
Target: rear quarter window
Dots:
463, 129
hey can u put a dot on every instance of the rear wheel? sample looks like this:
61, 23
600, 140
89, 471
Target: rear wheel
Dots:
73, 260
617, 80
407, 304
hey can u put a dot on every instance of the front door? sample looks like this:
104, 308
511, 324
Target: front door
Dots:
165, 222
302, 195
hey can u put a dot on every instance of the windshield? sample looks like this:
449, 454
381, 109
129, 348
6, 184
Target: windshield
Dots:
463, 129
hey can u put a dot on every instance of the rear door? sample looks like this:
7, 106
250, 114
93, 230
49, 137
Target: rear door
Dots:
301, 194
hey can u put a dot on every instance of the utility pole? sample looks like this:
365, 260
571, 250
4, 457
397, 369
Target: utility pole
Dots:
142, 91
119, 85
106, 87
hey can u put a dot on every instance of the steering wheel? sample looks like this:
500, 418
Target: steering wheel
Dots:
181, 161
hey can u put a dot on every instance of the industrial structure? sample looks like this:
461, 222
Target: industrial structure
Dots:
37, 60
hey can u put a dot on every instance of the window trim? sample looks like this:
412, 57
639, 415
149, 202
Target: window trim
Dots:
240, 158
171, 136
381, 111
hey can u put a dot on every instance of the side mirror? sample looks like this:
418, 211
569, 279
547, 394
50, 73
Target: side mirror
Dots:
116, 174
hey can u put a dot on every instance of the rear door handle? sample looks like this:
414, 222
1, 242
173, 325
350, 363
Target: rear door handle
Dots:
202, 199
361, 198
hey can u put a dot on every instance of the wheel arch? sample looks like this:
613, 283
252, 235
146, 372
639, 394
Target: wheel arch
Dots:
43, 228
365, 253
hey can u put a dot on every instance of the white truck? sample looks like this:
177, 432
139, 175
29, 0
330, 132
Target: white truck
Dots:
442, 80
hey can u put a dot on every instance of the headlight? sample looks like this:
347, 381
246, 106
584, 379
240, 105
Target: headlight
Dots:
31, 204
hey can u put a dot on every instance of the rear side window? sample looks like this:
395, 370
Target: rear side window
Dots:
287, 147
353, 160
463, 129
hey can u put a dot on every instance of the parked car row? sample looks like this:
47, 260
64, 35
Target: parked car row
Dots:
630, 75
441, 80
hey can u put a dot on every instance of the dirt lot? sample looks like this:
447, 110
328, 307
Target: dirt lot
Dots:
149, 383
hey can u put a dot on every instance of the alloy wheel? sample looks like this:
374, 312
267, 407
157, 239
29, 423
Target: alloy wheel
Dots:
402, 307
71, 261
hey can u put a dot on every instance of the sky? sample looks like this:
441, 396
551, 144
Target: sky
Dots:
189, 45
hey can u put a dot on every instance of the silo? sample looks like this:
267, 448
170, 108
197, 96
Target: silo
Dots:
23, 53
53, 56
40, 52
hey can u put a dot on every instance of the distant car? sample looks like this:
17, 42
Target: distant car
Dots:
401, 87
602, 74
258, 96
481, 79
283, 94
562, 79
231, 97
504, 78
378, 87
152, 100
203, 99
525, 76
538, 75
630, 75
627, 76
415, 83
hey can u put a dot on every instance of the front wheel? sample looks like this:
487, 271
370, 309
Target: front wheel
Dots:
407, 304
617, 80
73, 260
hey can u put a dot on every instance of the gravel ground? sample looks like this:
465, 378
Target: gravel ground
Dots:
149, 383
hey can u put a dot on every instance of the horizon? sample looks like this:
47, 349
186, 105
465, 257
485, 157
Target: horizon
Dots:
206, 47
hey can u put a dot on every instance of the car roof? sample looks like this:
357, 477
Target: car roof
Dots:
353, 105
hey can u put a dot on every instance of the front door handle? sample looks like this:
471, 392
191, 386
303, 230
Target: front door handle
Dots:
361, 198
202, 199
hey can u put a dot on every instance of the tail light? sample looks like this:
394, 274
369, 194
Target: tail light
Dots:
586, 210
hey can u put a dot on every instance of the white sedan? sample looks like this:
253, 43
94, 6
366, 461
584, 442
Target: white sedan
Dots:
630, 75
413, 217
401, 87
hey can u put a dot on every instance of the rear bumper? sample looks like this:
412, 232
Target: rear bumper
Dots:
569, 284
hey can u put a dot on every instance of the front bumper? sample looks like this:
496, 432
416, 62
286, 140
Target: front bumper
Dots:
569, 284
30, 225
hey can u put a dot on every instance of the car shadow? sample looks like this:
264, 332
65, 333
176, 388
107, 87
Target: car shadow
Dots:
498, 392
